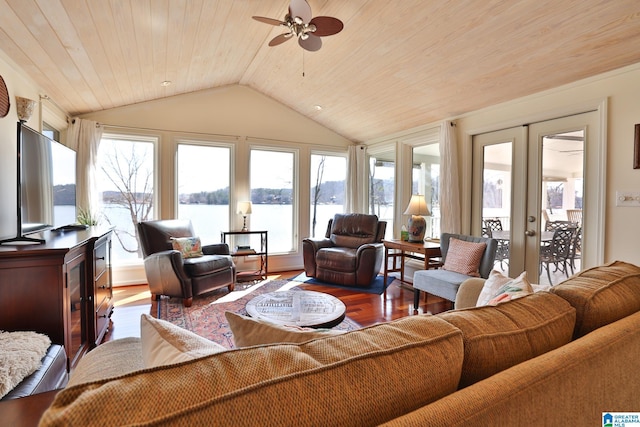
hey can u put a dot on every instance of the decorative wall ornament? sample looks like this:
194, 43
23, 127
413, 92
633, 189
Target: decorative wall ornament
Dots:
5, 105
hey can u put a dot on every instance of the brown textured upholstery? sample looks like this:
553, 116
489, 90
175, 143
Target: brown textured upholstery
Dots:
351, 252
501, 336
360, 378
602, 295
168, 273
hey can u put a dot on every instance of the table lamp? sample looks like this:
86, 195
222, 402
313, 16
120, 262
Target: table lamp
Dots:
244, 209
417, 224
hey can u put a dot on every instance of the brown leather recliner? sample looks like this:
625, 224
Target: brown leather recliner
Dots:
350, 254
168, 273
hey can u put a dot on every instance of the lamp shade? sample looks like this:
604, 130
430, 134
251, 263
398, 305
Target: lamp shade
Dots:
24, 108
244, 208
417, 206
417, 225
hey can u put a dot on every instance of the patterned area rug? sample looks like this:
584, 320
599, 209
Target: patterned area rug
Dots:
206, 316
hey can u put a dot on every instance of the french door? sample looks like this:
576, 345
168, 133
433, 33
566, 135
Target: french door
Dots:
529, 181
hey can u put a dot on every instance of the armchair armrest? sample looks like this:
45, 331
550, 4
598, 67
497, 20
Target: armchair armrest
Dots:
318, 244
216, 249
468, 293
309, 249
166, 275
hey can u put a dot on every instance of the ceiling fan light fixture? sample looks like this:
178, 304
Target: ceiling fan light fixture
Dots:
300, 23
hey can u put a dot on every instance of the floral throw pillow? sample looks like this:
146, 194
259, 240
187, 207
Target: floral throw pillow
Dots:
500, 288
189, 247
464, 257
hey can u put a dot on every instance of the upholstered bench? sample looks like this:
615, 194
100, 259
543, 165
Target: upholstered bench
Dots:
51, 375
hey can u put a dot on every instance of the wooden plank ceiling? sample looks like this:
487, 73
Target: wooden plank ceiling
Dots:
396, 65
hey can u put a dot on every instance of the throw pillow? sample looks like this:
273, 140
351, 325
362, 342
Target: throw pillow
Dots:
498, 288
248, 331
464, 257
164, 343
189, 247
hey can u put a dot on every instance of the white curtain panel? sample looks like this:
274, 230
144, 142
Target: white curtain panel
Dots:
450, 215
357, 180
84, 137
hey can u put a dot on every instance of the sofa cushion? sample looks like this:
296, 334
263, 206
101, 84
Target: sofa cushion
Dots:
205, 265
363, 377
501, 336
602, 295
338, 258
164, 343
464, 257
248, 331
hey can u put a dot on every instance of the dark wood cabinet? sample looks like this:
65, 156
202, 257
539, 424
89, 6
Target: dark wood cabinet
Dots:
62, 288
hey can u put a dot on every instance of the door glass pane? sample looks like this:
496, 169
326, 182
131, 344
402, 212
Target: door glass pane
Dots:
328, 177
426, 181
203, 189
126, 177
496, 199
273, 198
562, 192
382, 169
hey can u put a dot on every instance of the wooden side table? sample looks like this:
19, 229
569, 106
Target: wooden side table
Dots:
397, 250
254, 248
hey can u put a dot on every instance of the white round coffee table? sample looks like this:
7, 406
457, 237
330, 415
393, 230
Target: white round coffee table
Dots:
298, 308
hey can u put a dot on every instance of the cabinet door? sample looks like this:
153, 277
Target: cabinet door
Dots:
76, 331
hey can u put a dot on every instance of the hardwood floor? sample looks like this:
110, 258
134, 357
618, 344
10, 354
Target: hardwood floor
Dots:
366, 309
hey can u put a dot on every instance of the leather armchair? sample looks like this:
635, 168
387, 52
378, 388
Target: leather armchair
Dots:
168, 273
350, 254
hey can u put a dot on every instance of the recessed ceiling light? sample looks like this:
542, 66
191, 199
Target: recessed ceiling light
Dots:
318, 107
165, 83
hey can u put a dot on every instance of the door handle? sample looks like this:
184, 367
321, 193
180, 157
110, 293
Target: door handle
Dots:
529, 233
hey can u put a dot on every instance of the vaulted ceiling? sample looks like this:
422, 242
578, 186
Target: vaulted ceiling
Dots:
396, 65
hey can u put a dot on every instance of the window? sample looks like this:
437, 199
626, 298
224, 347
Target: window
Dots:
273, 197
328, 178
203, 188
382, 169
426, 180
126, 183
50, 132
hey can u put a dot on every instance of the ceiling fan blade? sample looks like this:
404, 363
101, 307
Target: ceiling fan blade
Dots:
326, 26
301, 9
269, 21
312, 43
280, 39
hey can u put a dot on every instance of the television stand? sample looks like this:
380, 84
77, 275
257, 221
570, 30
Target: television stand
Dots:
22, 240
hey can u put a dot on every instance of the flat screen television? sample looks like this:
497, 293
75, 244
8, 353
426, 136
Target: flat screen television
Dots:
46, 184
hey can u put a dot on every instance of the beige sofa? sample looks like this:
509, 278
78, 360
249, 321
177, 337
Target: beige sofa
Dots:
550, 358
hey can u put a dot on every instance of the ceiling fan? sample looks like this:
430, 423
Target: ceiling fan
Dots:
300, 24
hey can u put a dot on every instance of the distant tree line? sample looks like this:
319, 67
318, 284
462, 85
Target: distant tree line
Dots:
331, 192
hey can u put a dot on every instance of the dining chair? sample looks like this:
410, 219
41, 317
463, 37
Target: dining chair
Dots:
558, 252
502, 252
